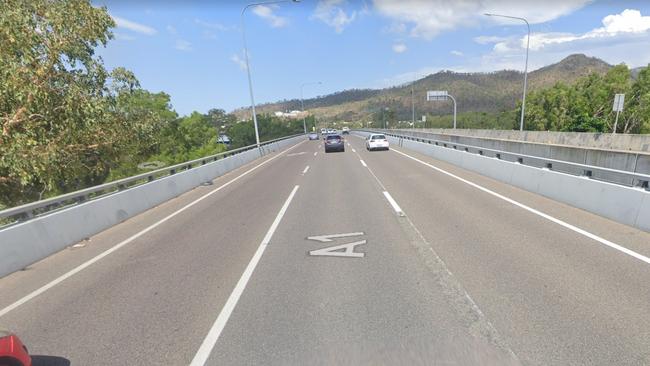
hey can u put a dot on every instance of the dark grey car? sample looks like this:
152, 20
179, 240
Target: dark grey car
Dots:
334, 143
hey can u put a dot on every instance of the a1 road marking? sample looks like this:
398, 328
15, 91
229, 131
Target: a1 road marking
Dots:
296, 154
344, 250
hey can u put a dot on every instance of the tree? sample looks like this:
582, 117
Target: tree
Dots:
55, 128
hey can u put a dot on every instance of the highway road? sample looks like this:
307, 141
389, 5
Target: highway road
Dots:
307, 258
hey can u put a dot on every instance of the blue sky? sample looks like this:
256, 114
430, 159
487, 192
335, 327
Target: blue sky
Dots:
193, 50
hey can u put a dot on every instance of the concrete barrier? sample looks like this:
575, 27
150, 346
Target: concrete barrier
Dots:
25, 243
516, 142
602, 141
627, 205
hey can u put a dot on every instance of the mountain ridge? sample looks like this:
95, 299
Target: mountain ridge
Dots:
489, 92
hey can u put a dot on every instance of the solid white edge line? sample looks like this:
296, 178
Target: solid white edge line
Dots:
393, 203
576, 229
363, 163
306, 169
211, 339
91, 261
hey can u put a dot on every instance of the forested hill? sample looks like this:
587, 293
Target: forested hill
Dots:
476, 92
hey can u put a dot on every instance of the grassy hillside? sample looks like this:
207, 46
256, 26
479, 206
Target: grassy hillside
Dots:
475, 92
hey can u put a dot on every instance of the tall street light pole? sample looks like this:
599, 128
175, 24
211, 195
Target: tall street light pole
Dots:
302, 103
248, 68
523, 99
412, 105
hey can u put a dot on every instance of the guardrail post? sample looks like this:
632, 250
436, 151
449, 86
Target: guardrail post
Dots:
587, 173
150, 178
549, 166
520, 160
498, 156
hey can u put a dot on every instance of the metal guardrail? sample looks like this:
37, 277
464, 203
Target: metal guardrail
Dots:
30, 210
641, 180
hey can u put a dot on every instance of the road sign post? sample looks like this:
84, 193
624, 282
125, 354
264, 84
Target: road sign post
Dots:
435, 95
619, 101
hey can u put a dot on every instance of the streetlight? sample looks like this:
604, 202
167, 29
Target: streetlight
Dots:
248, 68
412, 105
523, 102
302, 103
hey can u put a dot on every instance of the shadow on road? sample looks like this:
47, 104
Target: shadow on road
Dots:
49, 361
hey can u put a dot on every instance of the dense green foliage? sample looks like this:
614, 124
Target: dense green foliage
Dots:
586, 106
67, 123
270, 127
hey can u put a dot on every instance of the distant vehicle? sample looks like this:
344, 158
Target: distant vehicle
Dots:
313, 136
346, 130
323, 131
376, 141
334, 143
12, 350
223, 139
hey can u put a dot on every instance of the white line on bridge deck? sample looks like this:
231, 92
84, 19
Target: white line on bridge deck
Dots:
130, 239
211, 339
534, 211
393, 203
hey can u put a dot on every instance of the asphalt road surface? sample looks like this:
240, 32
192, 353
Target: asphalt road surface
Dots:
307, 258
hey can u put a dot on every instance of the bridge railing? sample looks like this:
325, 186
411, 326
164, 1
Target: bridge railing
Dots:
38, 208
623, 177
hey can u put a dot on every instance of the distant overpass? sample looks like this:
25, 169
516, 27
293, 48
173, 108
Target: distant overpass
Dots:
293, 256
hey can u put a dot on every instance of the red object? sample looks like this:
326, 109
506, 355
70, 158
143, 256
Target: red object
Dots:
12, 350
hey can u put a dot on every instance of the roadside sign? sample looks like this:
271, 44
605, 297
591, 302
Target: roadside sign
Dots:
437, 95
619, 100
424, 118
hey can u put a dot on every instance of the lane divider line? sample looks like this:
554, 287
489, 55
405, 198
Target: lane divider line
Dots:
211, 339
306, 169
130, 239
353, 150
393, 203
363, 163
564, 224
315, 153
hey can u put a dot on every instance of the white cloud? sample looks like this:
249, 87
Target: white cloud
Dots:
171, 30
489, 39
331, 13
456, 53
214, 26
629, 25
183, 45
133, 26
428, 18
239, 60
266, 13
399, 47
124, 37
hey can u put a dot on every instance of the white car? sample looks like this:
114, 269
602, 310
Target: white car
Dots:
376, 141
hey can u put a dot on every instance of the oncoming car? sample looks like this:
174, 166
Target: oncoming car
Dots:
334, 143
313, 136
376, 141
